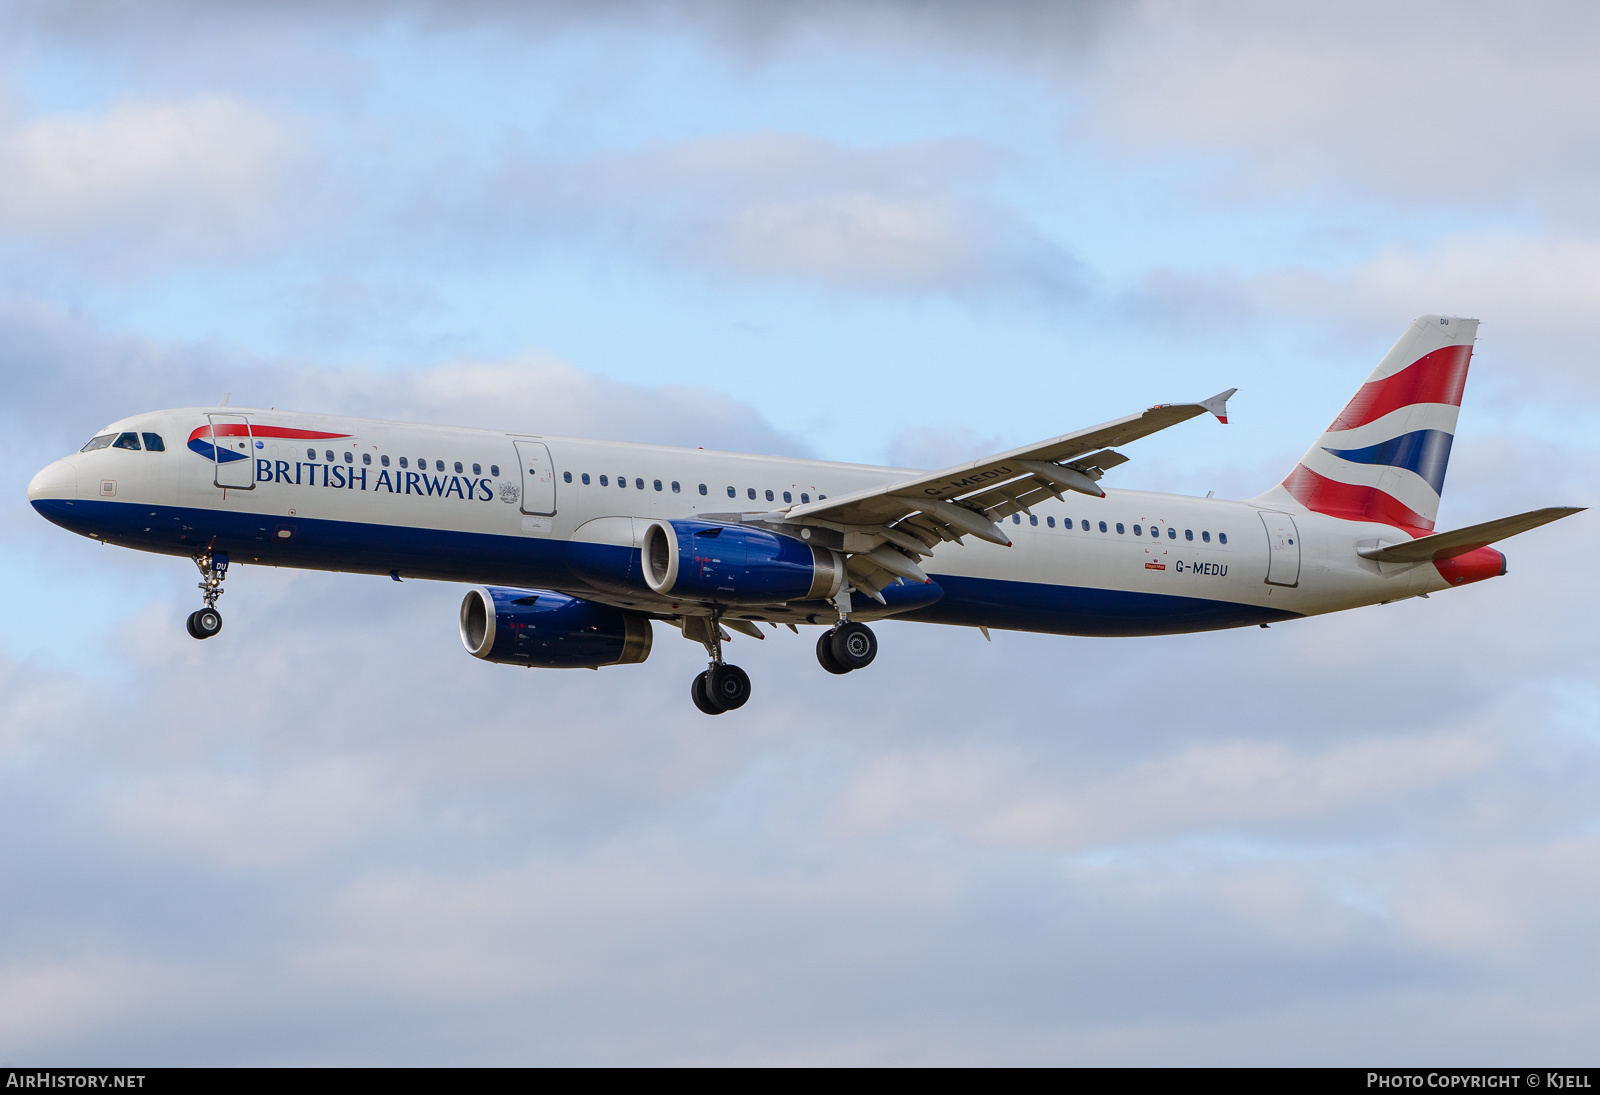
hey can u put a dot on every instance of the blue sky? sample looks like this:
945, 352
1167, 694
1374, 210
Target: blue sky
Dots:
876, 232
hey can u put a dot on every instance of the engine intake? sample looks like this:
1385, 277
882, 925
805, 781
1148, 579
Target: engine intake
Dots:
535, 627
736, 564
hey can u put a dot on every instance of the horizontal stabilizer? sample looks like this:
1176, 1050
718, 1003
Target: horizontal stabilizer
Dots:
1447, 545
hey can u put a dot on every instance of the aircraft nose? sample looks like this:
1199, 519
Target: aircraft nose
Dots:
57, 480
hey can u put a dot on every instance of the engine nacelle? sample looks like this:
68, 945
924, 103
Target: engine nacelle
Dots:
535, 627
736, 564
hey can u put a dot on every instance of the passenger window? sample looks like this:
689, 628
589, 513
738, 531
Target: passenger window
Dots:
460, 469
1172, 533
658, 484
1016, 518
702, 488
752, 492
348, 459
1102, 526
787, 497
384, 460
604, 482
1032, 520
638, 484
1188, 534
98, 442
1222, 538
366, 458
438, 465
1119, 528
622, 481
585, 478
770, 498
1205, 537
494, 470
153, 442
477, 469
804, 497
330, 456
1050, 522
1138, 532
675, 488
128, 440
820, 497
403, 463
566, 476
732, 493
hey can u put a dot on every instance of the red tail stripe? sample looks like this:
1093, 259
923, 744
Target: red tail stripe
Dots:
1353, 503
1435, 378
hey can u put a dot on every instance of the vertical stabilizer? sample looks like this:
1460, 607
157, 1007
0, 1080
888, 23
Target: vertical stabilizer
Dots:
1384, 457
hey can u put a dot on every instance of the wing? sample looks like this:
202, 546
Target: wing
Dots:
887, 529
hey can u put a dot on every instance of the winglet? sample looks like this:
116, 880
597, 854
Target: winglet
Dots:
1218, 405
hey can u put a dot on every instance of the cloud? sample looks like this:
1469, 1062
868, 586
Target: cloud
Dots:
66, 378
793, 207
1428, 104
1012, 30
181, 179
1533, 292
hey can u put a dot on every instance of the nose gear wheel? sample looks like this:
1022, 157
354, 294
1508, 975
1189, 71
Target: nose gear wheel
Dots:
206, 622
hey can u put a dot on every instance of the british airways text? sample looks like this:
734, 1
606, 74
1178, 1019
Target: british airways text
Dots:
299, 473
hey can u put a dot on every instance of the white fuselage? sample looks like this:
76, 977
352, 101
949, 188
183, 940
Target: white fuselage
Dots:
462, 507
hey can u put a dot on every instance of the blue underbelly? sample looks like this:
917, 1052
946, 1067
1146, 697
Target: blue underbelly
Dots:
491, 559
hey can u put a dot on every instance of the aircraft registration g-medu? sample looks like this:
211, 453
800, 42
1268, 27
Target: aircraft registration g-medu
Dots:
576, 547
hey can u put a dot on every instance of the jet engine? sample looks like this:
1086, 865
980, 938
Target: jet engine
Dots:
535, 627
736, 564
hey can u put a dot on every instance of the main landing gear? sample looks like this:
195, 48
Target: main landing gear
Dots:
843, 648
846, 647
722, 687
206, 622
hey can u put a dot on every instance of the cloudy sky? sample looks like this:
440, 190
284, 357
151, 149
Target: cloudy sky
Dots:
875, 231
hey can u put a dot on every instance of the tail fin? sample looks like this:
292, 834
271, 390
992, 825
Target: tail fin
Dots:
1384, 457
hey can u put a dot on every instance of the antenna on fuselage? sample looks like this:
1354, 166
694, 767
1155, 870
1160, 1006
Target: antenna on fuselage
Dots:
225, 397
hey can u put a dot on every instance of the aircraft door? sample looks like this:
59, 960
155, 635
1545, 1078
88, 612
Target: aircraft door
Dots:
233, 451
1283, 549
538, 478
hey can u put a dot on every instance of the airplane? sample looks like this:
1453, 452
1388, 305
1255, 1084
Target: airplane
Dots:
576, 548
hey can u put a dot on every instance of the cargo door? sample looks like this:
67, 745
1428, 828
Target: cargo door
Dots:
233, 451
1283, 549
538, 478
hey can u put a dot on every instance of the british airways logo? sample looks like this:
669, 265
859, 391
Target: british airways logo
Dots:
227, 442
298, 473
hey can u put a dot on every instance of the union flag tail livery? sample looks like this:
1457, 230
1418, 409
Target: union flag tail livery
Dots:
576, 548
1384, 457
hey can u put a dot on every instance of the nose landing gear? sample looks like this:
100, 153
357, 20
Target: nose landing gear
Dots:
206, 622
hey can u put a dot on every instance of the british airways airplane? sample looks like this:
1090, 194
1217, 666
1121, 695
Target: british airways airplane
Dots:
579, 547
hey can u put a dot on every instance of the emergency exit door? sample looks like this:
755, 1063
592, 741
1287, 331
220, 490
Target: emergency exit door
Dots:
1283, 549
233, 451
538, 478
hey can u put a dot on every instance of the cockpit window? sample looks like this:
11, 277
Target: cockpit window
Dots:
99, 442
153, 442
129, 440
